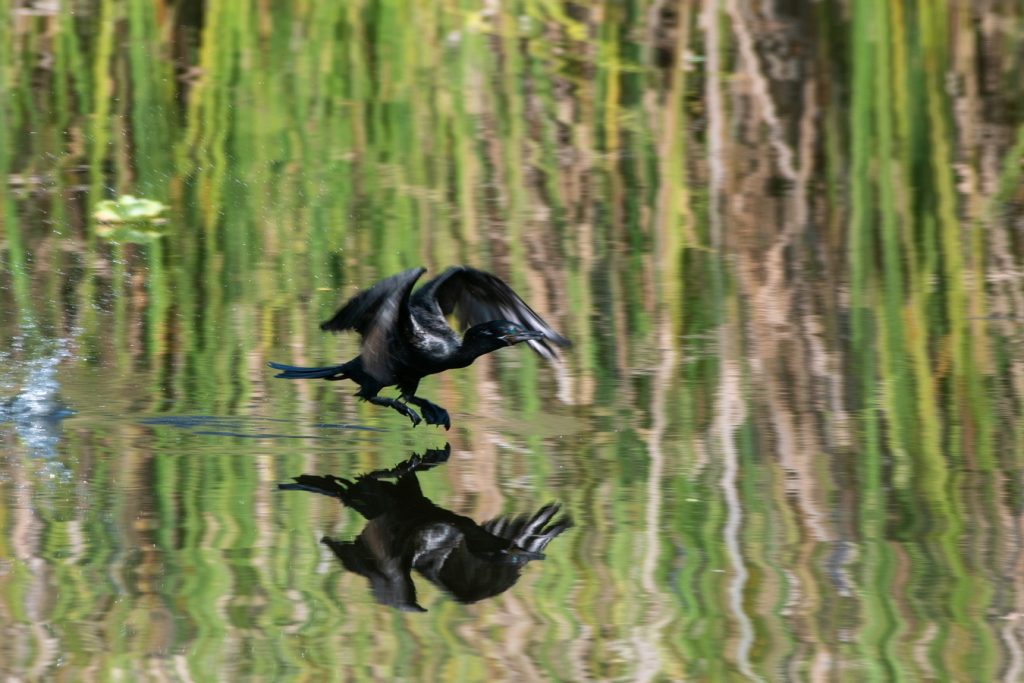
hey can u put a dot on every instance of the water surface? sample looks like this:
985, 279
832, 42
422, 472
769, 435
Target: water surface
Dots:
785, 241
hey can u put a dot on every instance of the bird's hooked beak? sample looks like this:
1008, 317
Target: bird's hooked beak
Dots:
525, 335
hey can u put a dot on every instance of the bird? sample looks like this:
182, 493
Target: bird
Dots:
406, 531
406, 336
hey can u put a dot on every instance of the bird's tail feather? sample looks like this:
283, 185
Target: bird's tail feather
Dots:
295, 372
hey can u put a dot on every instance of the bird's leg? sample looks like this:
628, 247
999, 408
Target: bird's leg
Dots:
397, 405
432, 413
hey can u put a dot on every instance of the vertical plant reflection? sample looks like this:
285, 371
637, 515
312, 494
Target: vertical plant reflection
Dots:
782, 236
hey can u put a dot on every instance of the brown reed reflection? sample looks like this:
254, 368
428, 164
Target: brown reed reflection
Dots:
785, 239
405, 531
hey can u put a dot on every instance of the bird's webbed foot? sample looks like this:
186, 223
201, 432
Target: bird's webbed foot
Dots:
397, 405
432, 413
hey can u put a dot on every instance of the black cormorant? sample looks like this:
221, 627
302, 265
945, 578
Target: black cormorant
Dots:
405, 336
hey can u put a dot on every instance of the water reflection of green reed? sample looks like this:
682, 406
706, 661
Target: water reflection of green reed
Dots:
783, 245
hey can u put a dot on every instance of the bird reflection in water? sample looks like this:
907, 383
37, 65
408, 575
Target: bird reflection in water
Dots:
405, 531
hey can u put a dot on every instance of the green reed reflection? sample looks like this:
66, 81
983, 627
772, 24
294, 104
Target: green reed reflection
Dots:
783, 245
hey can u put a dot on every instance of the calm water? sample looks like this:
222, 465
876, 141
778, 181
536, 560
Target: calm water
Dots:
786, 242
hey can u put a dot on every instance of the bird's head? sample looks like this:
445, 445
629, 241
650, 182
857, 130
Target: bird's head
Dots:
498, 333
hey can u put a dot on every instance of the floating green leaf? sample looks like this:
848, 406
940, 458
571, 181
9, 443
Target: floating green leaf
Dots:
129, 209
129, 219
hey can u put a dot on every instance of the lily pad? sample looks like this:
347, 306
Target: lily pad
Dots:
129, 209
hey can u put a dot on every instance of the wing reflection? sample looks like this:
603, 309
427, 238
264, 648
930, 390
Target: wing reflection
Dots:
405, 531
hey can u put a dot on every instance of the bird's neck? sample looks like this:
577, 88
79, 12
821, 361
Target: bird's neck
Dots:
467, 352
464, 356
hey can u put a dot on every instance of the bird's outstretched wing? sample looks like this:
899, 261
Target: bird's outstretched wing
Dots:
374, 314
390, 575
372, 306
475, 297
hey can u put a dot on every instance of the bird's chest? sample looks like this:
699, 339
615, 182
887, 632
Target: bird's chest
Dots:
418, 357
432, 349
430, 340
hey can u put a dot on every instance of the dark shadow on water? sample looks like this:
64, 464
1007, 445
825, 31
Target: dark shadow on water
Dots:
406, 531
244, 427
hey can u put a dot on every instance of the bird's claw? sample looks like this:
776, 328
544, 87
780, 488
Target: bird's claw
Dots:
440, 421
432, 413
399, 406
436, 415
